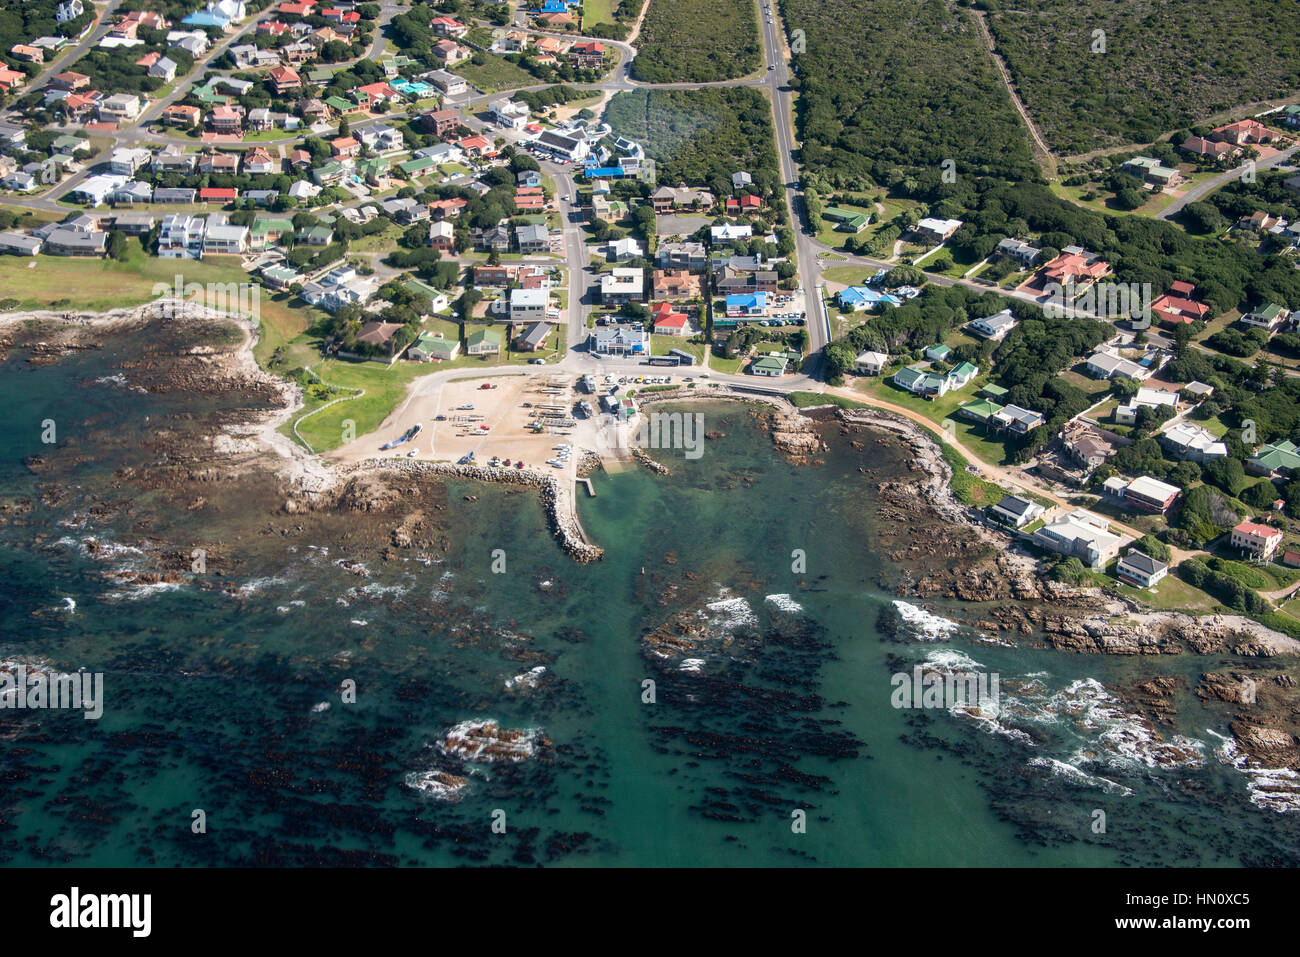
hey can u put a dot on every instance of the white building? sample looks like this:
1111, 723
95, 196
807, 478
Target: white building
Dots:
509, 113
870, 363
97, 189
1150, 398
529, 305
1081, 535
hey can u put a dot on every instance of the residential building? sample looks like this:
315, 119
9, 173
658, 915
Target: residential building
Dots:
430, 348
620, 339
509, 113
1256, 539
181, 237
529, 305
1082, 535
1022, 252
936, 230
1280, 459
770, 365
625, 248
622, 285
1151, 171
682, 256
1151, 495
1016, 511
870, 363
75, 242
1012, 418
222, 238
668, 322
1268, 316
1075, 266
1189, 442
449, 84
676, 285
119, 107
533, 338
1140, 569
483, 342
994, 327
442, 236
1106, 363
534, 239
1149, 398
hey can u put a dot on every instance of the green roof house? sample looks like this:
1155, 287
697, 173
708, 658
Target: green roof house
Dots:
980, 409
1276, 458
431, 348
483, 342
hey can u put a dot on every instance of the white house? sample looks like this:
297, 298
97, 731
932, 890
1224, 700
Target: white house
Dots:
996, 326
1150, 398
1016, 511
1140, 569
870, 363
69, 10
1081, 535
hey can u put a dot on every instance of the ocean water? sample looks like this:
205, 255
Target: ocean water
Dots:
770, 737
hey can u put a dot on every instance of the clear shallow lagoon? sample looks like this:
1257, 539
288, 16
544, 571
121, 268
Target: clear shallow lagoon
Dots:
210, 696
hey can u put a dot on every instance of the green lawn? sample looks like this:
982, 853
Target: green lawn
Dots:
596, 11
659, 346
495, 74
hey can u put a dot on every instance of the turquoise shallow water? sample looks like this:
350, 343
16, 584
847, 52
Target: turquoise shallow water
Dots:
210, 695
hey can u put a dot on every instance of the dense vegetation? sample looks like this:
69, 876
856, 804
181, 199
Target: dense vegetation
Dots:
702, 136
697, 41
1166, 63
891, 87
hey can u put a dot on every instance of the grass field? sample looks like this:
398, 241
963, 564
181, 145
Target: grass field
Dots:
496, 74
597, 11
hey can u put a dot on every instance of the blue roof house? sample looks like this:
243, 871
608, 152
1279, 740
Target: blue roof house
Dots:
864, 297
747, 304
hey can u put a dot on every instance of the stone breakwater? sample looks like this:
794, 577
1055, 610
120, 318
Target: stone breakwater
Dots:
656, 467
559, 502
589, 463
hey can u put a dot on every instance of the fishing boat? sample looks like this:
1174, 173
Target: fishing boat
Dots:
406, 436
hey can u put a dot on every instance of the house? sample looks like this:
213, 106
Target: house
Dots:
70, 81
447, 27
284, 79
268, 230
226, 163
1151, 171
1022, 252
1150, 495
1075, 266
845, 220
620, 339
1140, 569
682, 256
345, 147
571, 148
131, 192
494, 237
447, 208
667, 322
747, 305
126, 162
193, 42
1256, 539
431, 348
859, 298
119, 106
1207, 148
1016, 511
667, 198
381, 138
1013, 418
178, 115
442, 122
1243, 133
448, 83
936, 230
75, 242
586, 54
729, 231
961, 374
921, 382
1106, 363
529, 305
675, 285
477, 147
770, 365
11, 80
1082, 535
938, 353
483, 342
622, 285
1189, 442
181, 237
226, 119
1145, 398
222, 238
980, 410
164, 195
96, 189
533, 338
530, 199
68, 10
442, 236
1177, 307
994, 327
534, 239
1268, 316
870, 363
626, 248
20, 244
315, 236
1276, 459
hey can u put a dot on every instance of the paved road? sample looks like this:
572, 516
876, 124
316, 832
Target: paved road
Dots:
1209, 186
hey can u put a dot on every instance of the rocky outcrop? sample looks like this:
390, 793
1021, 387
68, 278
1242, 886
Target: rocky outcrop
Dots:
645, 460
560, 508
